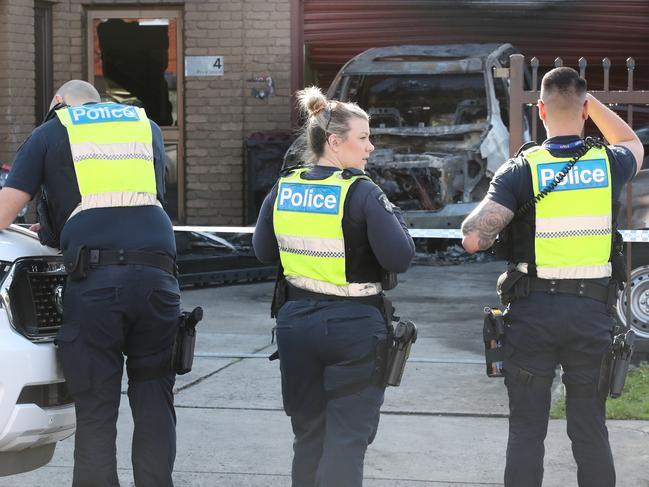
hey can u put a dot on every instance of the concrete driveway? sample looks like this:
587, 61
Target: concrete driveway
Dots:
445, 426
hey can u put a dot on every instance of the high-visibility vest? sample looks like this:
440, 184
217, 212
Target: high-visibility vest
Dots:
307, 219
112, 153
573, 223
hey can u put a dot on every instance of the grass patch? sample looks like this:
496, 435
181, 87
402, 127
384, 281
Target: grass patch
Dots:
633, 404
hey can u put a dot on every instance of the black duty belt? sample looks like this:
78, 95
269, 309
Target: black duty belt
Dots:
578, 287
97, 257
295, 294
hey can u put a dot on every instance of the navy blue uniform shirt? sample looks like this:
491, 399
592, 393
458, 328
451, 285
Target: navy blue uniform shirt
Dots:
511, 186
133, 228
388, 236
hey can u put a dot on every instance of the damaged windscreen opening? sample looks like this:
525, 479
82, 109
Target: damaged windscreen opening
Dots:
421, 100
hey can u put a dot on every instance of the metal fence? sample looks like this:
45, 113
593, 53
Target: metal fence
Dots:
520, 98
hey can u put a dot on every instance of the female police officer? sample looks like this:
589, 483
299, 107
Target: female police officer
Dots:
334, 231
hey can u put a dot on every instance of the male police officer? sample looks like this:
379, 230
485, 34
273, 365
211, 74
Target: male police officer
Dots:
558, 282
101, 166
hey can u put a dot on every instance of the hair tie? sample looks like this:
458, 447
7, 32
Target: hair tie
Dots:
319, 108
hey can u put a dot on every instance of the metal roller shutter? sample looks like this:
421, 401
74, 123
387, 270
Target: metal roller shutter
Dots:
336, 30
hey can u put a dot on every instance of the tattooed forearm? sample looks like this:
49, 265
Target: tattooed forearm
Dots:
485, 223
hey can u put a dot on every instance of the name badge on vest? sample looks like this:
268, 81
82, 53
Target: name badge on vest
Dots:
586, 174
103, 112
308, 198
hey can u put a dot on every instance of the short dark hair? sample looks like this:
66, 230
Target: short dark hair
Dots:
564, 80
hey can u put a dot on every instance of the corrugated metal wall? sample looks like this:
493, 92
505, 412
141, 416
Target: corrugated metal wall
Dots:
336, 30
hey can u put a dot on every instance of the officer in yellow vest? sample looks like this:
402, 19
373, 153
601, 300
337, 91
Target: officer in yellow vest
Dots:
334, 233
559, 286
101, 168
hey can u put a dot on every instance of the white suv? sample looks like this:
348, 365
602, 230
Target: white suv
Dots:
36, 410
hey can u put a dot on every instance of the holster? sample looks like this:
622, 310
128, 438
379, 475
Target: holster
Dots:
46, 234
615, 364
512, 285
182, 357
77, 268
404, 335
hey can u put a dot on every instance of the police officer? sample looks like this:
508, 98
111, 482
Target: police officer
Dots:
333, 230
101, 166
559, 274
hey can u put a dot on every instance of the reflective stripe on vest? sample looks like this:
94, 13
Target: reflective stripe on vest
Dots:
573, 223
307, 218
112, 152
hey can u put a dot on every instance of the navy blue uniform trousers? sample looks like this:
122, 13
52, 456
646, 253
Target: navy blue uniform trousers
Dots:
543, 331
318, 343
120, 310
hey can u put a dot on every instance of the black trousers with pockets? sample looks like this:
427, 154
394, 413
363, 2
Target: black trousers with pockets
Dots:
544, 331
322, 345
119, 311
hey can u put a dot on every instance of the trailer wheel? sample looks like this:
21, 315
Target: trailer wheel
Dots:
639, 302
639, 310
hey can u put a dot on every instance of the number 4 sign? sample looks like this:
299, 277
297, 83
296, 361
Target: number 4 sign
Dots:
203, 66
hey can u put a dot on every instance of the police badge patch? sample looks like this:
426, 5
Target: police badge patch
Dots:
385, 202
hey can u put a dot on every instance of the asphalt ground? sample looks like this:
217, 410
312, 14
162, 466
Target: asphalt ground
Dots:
445, 426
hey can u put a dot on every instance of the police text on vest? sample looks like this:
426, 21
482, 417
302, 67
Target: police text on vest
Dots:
103, 112
586, 174
309, 198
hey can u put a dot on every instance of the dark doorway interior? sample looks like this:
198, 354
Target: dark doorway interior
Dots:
134, 59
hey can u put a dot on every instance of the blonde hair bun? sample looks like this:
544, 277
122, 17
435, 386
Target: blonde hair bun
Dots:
312, 101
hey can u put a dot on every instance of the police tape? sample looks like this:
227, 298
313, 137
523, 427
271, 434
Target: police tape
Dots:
450, 233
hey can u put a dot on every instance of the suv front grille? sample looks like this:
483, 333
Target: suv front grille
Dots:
44, 288
35, 296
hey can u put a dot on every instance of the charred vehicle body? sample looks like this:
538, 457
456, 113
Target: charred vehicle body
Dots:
439, 124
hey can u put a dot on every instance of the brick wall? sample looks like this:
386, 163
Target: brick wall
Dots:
17, 95
253, 37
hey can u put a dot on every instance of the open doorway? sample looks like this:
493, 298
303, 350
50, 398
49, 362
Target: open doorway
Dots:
135, 59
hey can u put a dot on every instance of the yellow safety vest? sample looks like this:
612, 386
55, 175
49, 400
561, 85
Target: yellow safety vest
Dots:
307, 219
112, 153
574, 222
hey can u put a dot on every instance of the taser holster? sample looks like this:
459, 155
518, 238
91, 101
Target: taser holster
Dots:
493, 334
182, 357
